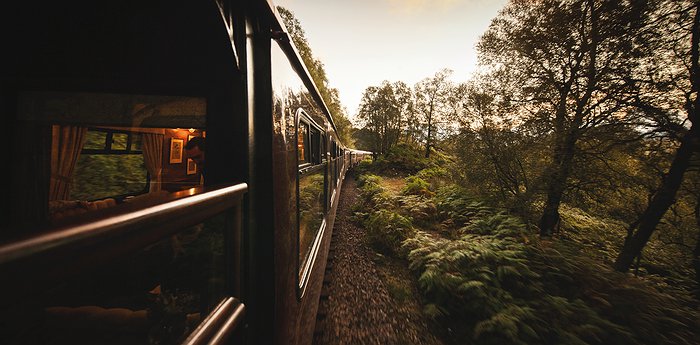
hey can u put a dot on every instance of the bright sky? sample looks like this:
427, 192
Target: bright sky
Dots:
364, 42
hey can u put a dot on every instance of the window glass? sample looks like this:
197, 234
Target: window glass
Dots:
311, 211
155, 296
119, 141
99, 176
303, 143
315, 151
136, 144
308, 184
95, 140
105, 149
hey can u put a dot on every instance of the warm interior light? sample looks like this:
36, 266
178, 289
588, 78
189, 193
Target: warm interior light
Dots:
191, 130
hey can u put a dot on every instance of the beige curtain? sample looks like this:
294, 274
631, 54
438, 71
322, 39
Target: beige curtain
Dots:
67, 143
153, 157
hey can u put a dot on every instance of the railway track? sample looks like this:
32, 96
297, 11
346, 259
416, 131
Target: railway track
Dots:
355, 307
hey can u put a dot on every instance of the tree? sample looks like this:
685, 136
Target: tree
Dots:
679, 37
383, 112
431, 100
568, 63
696, 250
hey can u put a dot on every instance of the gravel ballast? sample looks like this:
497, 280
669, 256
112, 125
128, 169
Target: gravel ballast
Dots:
356, 306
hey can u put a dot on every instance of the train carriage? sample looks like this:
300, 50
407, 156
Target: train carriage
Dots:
115, 232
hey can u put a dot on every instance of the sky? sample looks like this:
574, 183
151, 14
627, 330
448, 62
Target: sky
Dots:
364, 42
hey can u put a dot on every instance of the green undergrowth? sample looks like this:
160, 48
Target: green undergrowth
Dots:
602, 238
404, 159
485, 278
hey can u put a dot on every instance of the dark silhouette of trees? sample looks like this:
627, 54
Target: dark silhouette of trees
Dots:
569, 64
678, 36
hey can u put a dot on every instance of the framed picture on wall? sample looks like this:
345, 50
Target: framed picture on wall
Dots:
176, 147
191, 167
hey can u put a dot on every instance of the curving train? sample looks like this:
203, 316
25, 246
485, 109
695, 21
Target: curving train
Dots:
174, 175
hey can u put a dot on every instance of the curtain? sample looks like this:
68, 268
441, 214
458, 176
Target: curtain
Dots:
153, 157
68, 141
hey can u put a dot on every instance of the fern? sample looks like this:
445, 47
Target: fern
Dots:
416, 186
420, 209
493, 282
386, 230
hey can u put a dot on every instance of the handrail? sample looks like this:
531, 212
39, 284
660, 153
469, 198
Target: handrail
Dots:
73, 248
219, 325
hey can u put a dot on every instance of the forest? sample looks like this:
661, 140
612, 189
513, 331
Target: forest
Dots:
555, 196
579, 105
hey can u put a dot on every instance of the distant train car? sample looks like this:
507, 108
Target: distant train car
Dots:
174, 175
356, 156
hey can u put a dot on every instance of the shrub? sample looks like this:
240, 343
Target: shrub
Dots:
651, 314
499, 290
364, 166
455, 205
372, 193
500, 225
372, 196
416, 186
401, 159
386, 231
465, 281
485, 283
436, 177
419, 209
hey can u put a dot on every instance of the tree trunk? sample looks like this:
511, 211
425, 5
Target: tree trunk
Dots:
565, 144
666, 194
696, 251
660, 202
430, 130
556, 186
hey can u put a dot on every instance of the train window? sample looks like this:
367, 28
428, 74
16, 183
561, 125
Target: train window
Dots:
303, 143
311, 193
157, 295
315, 146
109, 153
106, 149
312, 197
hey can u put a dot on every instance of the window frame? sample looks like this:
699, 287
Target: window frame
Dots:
107, 150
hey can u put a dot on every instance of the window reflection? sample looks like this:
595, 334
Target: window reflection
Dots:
156, 296
311, 209
107, 149
303, 143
